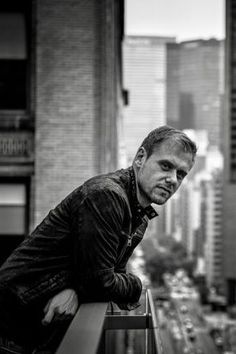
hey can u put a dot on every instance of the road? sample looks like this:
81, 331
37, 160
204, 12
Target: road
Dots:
184, 331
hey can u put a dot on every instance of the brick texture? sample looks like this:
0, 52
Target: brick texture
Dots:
77, 88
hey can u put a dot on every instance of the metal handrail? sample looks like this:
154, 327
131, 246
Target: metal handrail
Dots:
85, 331
93, 320
157, 339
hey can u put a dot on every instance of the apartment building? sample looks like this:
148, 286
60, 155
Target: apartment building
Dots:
61, 104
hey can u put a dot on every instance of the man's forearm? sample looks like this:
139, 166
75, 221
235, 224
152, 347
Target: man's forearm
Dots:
108, 285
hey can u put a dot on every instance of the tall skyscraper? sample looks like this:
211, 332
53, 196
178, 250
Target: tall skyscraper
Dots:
229, 195
195, 71
196, 211
145, 80
212, 207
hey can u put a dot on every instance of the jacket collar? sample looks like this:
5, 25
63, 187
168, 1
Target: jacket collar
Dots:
137, 209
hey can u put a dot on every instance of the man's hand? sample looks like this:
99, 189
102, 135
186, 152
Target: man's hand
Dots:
61, 306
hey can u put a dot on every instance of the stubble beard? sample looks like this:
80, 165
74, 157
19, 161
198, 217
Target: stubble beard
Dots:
143, 194
159, 200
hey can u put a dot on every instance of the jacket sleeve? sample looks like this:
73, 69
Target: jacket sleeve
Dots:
98, 225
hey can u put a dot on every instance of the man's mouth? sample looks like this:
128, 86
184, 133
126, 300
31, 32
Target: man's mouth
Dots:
164, 189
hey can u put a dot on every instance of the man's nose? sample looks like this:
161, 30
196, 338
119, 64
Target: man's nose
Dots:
171, 178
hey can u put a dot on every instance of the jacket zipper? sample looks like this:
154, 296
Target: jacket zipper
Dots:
129, 243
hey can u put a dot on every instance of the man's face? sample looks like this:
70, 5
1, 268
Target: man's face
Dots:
160, 175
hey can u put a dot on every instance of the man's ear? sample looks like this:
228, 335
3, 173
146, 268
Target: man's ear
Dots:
140, 156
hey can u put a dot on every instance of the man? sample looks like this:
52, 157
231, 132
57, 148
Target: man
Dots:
80, 250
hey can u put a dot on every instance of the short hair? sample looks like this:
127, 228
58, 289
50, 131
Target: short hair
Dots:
165, 132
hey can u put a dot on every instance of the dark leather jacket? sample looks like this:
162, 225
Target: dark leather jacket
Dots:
84, 243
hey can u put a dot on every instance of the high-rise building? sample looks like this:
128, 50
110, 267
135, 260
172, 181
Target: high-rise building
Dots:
145, 81
212, 207
60, 104
182, 211
195, 71
189, 203
195, 212
229, 195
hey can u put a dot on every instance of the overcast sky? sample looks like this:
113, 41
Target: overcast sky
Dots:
183, 19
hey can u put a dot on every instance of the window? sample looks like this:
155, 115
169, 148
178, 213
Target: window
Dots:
13, 214
15, 28
13, 59
12, 209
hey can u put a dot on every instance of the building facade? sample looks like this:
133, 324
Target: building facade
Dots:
195, 86
145, 81
229, 195
212, 206
61, 103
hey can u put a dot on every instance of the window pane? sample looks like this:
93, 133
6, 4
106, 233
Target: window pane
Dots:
12, 36
12, 220
12, 194
13, 84
13, 61
12, 208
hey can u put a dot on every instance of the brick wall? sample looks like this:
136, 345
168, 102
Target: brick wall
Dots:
74, 64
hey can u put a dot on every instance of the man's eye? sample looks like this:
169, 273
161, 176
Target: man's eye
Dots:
165, 166
181, 175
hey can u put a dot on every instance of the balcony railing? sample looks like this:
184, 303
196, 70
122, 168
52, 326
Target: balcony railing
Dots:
99, 329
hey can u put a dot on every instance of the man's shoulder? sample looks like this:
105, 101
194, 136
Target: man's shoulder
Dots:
105, 190
110, 183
